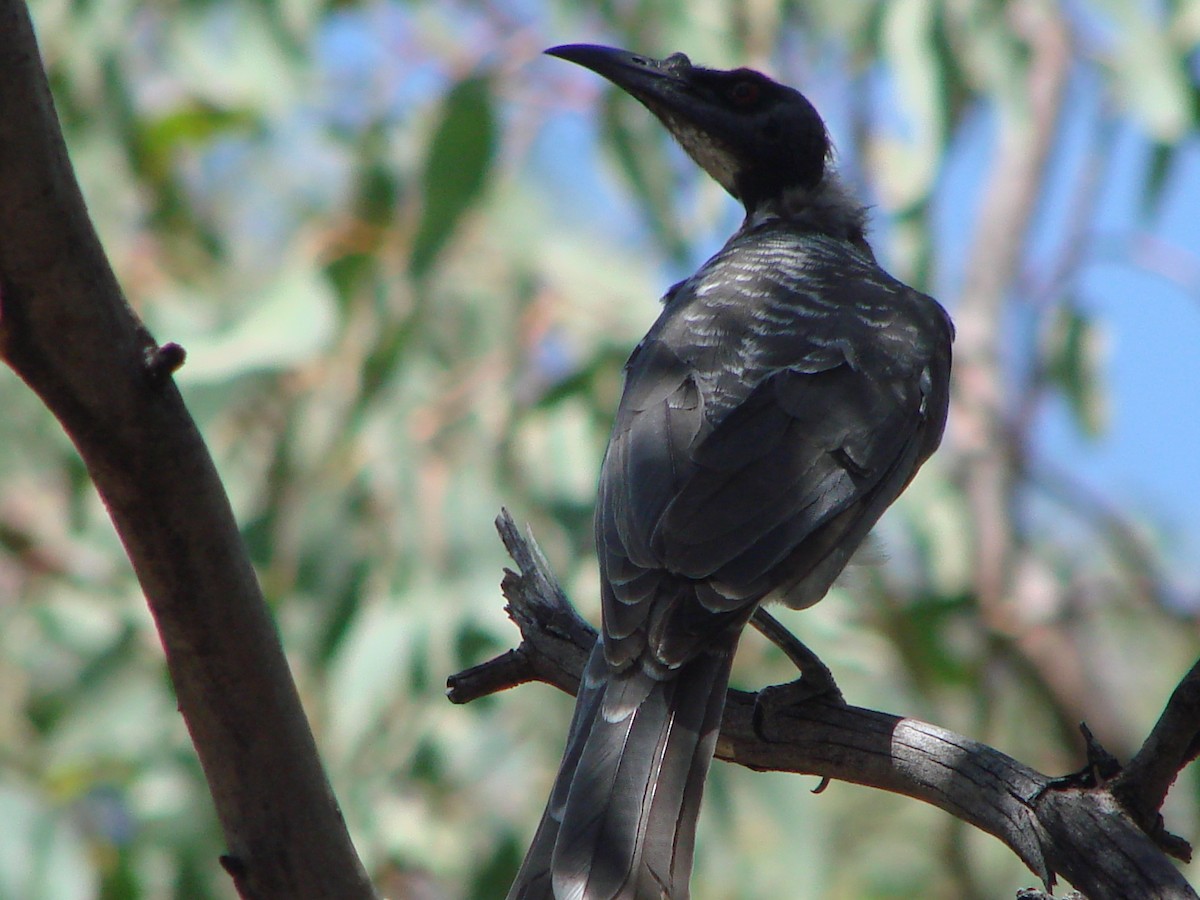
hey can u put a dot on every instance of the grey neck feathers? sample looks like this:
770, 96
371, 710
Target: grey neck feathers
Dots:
828, 208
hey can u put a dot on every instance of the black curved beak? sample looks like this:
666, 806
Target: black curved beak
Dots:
644, 77
673, 90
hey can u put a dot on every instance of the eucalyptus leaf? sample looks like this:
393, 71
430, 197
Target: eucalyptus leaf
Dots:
456, 167
42, 855
909, 160
1152, 78
1074, 361
287, 323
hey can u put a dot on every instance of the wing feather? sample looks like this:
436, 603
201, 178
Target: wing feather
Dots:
761, 434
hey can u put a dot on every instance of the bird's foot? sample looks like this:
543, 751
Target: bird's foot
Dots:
814, 674
775, 699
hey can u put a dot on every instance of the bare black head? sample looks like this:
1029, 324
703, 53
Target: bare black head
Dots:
759, 139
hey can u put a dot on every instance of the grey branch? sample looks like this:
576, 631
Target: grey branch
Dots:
1071, 827
66, 330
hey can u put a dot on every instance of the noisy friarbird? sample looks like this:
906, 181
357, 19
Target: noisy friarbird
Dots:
787, 394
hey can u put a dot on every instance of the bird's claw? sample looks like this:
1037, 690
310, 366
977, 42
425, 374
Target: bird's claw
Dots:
774, 699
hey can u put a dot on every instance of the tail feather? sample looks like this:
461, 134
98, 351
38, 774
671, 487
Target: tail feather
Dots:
678, 843
621, 820
533, 881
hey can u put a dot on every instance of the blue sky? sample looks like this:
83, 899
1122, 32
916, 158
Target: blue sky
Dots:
376, 61
1145, 461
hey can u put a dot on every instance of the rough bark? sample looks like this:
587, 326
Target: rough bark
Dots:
67, 331
1073, 827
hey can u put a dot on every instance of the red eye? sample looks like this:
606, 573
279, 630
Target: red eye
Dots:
745, 93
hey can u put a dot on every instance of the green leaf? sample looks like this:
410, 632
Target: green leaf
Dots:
907, 164
41, 853
923, 631
456, 167
1150, 73
497, 871
159, 140
290, 321
1158, 167
1073, 358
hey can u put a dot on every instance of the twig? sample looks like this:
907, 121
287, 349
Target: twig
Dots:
1173, 743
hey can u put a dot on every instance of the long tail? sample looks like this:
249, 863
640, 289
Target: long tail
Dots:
620, 823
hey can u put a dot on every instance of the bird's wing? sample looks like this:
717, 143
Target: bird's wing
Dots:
778, 489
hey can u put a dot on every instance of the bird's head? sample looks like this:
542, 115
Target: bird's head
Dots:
759, 139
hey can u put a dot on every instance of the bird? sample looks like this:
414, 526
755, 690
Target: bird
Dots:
785, 396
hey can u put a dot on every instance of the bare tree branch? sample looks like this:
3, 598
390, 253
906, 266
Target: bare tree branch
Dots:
556, 641
1173, 743
66, 330
1065, 827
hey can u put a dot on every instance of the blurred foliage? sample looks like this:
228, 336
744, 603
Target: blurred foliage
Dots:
408, 258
